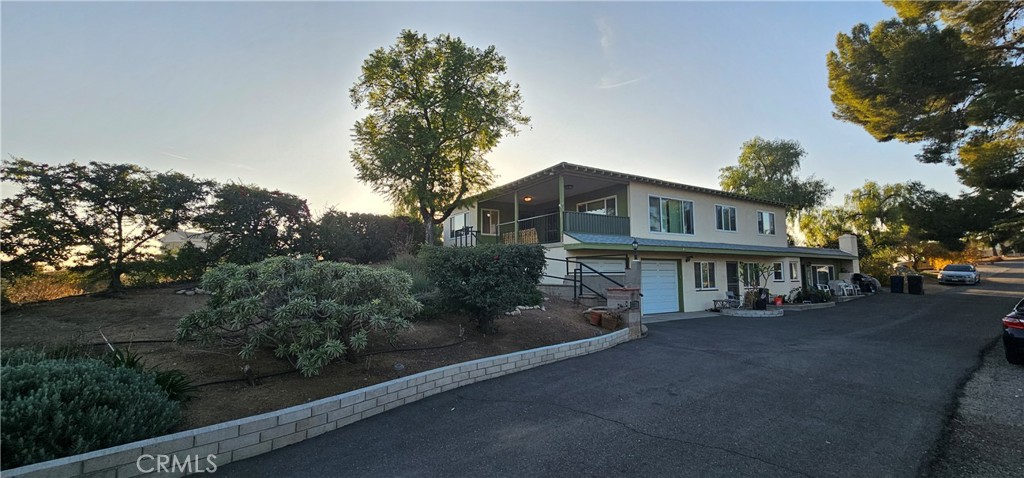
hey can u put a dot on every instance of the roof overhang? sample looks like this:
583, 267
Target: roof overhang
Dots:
575, 169
624, 243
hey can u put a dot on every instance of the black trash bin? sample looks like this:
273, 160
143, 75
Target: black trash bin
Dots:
915, 285
896, 284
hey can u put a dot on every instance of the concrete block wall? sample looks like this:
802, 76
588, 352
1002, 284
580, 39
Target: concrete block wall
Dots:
240, 439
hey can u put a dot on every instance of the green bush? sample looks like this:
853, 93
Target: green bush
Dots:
53, 408
310, 312
486, 280
365, 238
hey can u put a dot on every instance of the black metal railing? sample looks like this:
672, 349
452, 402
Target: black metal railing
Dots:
575, 272
596, 223
465, 237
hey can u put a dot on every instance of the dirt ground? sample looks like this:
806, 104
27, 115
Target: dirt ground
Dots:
151, 314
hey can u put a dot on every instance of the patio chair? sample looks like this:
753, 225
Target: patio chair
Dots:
729, 302
826, 288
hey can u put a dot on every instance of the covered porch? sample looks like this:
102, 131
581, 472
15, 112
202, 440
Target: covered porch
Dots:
539, 209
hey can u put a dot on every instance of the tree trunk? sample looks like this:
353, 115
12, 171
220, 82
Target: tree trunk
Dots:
428, 229
115, 284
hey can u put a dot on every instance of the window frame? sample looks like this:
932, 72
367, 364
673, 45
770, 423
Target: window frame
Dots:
779, 274
497, 220
615, 210
719, 209
704, 270
761, 214
794, 271
661, 202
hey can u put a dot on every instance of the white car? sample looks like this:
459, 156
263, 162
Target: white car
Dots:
959, 274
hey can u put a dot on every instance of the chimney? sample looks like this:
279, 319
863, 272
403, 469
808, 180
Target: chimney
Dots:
848, 244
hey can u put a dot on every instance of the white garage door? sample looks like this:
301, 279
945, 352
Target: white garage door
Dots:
659, 283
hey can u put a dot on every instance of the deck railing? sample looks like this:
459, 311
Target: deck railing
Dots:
532, 230
596, 223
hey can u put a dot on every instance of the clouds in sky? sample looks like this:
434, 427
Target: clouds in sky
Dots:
617, 75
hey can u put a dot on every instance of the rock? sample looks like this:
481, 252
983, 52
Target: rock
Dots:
543, 308
521, 307
182, 291
190, 292
517, 312
200, 291
399, 367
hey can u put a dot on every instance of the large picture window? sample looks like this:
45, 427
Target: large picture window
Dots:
704, 275
725, 218
766, 223
604, 206
671, 215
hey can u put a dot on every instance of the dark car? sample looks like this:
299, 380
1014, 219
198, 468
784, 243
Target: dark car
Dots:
1013, 334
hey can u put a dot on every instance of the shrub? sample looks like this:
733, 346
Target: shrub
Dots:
365, 238
486, 280
53, 408
42, 286
174, 383
423, 290
310, 312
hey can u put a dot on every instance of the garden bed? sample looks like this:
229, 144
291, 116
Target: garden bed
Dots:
147, 317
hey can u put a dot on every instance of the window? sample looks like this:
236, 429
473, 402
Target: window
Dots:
823, 274
751, 275
725, 218
766, 223
604, 206
794, 271
456, 223
671, 215
489, 222
778, 272
704, 275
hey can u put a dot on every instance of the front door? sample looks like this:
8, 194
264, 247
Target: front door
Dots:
732, 277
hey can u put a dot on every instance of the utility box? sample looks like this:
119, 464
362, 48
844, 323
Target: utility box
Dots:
627, 300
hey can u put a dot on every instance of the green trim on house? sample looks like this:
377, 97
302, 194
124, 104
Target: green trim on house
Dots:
618, 247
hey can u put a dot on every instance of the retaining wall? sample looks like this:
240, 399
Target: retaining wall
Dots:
240, 439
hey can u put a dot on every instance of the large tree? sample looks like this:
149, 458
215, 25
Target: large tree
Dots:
768, 169
102, 216
436, 107
250, 224
947, 75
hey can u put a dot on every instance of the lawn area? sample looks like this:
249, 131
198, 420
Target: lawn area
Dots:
144, 321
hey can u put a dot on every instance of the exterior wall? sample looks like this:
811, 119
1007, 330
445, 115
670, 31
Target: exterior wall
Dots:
240, 439
473, 220
554, 268
694, 300
704, 217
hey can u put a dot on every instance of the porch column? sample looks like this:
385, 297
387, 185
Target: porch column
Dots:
515, 218
561, 206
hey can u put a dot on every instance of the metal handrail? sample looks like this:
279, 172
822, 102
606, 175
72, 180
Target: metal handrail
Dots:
577, 276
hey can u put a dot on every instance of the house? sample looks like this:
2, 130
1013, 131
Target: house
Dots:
693, 243
172, 241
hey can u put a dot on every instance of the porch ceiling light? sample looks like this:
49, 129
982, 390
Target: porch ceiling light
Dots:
527, 198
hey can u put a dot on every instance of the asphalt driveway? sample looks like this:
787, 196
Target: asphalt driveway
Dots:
862, 389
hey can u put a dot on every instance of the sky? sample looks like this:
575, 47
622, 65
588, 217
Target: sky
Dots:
258, 92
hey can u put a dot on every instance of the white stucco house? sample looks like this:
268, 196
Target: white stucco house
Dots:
693, 242
172, 241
